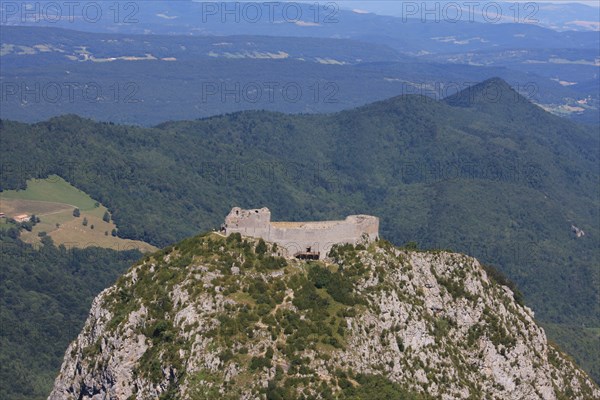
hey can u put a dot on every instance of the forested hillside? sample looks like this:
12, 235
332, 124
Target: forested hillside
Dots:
485, 173
45, 296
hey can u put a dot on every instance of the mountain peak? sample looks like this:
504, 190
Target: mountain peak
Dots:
491, 91
227, 317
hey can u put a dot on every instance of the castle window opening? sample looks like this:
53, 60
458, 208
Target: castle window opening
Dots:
308, 255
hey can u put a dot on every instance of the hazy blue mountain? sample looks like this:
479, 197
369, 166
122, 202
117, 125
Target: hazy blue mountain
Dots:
140, 78
298, 19
50, 45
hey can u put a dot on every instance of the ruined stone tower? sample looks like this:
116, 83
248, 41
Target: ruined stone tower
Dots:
302, 239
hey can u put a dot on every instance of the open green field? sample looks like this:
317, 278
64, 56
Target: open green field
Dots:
52, 189
53, 200
13, 207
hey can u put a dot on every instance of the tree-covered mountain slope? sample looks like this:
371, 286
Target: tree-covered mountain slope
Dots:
216, 317
485, 173
45, 295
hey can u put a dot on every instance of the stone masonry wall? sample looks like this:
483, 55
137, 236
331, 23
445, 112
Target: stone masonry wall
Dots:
296, 237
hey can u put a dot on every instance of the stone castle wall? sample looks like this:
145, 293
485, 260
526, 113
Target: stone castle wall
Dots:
296, 237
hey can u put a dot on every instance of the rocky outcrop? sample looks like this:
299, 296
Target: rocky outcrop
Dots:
218, 317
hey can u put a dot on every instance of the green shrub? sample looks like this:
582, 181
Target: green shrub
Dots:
261, 247
259, 363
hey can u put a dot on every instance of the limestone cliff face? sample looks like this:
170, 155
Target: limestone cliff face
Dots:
218, 317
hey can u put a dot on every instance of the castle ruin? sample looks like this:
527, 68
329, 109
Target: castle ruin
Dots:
305, 240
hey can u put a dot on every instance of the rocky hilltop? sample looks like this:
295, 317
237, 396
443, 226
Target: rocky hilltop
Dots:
215, 317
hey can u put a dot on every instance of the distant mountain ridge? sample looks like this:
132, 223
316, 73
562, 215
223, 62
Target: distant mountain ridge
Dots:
316, 20
56, 44
112, 77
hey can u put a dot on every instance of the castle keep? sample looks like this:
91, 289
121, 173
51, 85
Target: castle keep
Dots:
311, 240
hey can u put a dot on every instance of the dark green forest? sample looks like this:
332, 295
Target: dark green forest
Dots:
45, 296
484, 173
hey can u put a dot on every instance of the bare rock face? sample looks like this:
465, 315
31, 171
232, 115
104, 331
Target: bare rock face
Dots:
217, 317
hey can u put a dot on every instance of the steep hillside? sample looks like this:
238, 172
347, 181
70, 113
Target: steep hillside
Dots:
226, 317
45, 295
492, 175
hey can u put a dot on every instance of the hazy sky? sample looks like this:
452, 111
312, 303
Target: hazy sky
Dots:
374, 4
594, 3
397, 7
